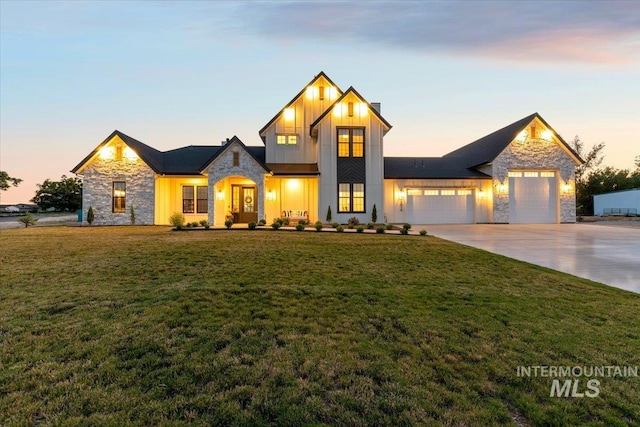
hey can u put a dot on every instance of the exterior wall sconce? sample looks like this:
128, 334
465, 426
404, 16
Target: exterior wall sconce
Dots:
481, 194
503, 188
566, 187
289, 113
220, 195
129, 153
402, 198
271, 195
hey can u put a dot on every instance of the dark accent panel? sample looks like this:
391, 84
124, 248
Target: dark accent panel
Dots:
351, 169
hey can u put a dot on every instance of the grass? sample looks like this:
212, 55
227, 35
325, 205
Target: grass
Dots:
144, 326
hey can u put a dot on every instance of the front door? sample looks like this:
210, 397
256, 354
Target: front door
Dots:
245, 205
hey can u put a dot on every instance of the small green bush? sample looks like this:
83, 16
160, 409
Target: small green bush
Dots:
329, 214
389, 226
339, 229
360, 229
380, 230
132, 215
195, 224
374, 214
318, 226
407, 226
300, 227
370, 225
177, 220
189, 225
303, 222
285, 221
228, 223
262, 222
276, 224
423, 232
252, 225
335, 224
404, 231
28, 220
353, 221
578, 219
203, 222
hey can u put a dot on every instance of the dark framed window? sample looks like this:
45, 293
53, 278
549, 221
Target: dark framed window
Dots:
351, 197
236, 158
187, 199
286, 138
194, 199
350, 142
202, 201
119, 197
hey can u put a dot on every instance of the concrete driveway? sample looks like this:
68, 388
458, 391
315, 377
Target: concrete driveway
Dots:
604, 254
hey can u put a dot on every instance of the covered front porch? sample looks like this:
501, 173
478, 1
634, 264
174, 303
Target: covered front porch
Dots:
295, 197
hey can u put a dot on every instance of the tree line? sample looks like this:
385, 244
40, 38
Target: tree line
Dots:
62, 195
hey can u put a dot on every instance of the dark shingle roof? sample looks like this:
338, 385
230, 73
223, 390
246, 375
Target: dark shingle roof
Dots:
180, 161
428, 167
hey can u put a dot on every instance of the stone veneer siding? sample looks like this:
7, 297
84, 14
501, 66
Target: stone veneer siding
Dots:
222, 167
97, 191
534, 155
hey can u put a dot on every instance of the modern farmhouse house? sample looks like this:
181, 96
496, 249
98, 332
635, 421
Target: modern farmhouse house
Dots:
324, 149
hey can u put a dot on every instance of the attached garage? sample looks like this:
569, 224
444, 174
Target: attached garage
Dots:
440, 206
533, 197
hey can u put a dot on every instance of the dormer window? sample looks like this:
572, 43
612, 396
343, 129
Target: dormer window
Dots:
321, 93
286, 139
118, 152
236, 158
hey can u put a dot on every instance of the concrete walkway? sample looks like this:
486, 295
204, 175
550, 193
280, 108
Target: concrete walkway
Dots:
604, 254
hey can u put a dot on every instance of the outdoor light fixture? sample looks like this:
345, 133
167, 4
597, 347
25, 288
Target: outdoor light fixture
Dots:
566, 187
289, 114
220, 195
481, 194
402, 197
271, 195
502, 187
546, 135
129, 153
106, 152
522, 136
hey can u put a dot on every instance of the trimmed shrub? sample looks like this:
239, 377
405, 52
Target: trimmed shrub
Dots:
339, 229
380, 230
423, 232
353, 221
91, 216
374, 214
204, 222
195, 224
300, 227
276, 225
28, 220
228, 223
329, 214
132, 215
318, 226
335, 224
360, 229
304, 222
262, 222
407, 226
404, 231
370, 225
389, 226
177, 220
285, 221
189, 225
252, 225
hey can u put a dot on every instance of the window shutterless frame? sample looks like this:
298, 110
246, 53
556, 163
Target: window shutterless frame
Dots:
119, 197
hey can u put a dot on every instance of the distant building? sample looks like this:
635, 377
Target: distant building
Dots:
619, 203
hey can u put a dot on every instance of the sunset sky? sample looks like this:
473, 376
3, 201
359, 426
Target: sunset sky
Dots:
172, 74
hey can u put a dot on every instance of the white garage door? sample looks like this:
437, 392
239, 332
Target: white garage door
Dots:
440, 206
533, 197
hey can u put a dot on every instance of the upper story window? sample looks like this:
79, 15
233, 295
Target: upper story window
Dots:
236, 158
119, 197
350, 142
286, 139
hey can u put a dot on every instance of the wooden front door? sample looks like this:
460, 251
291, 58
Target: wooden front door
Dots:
245, 203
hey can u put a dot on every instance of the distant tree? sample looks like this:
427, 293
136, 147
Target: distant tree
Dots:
63, 195
91, 216
592, 160
6, 181
28, 220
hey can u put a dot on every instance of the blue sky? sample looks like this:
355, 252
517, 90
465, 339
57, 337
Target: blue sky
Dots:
179, 73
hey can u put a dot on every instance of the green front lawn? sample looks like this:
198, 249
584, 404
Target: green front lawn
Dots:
145, 326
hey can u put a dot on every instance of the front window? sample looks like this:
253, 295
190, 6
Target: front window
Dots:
351, 197
119, 197
194, 199
203, 201
187, 199
350, 142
